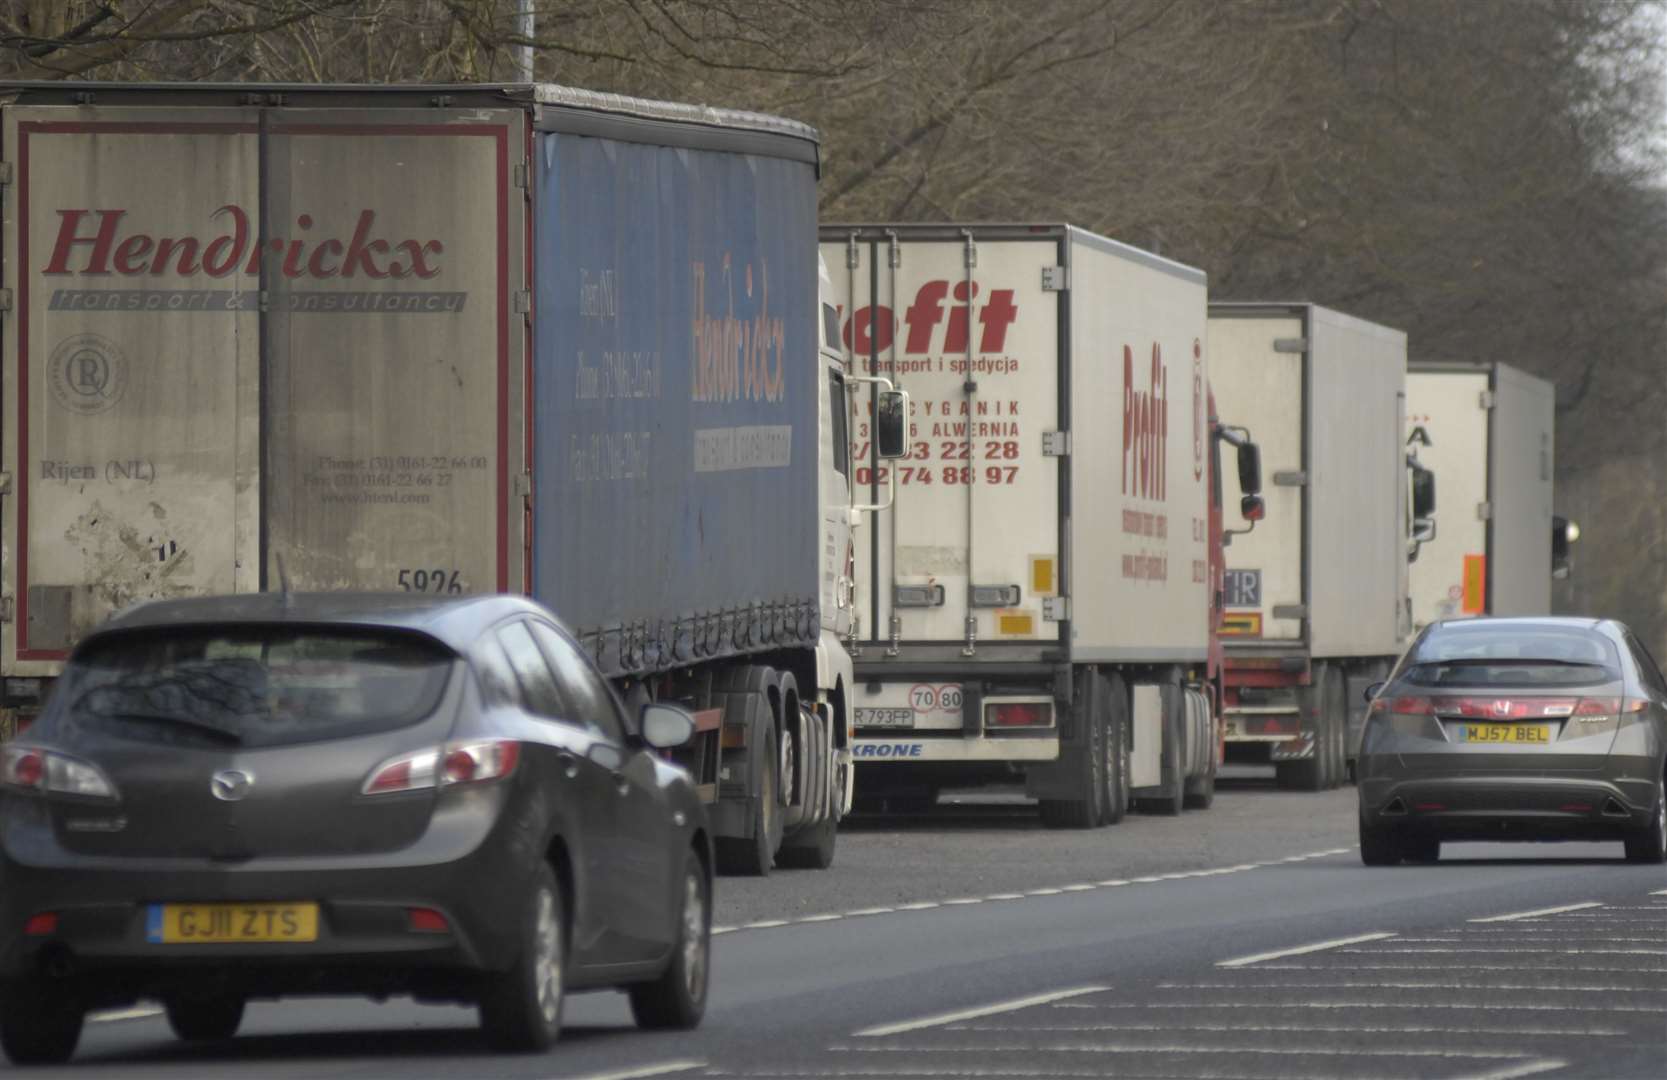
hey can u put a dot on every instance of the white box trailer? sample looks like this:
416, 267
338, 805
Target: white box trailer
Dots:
1036, 601
1486, 431
1317, 592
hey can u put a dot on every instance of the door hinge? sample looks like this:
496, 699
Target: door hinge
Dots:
5, 173
1484, 511
1056, 278
1290, 611
523, 302
263, 301
1291, 478
7, 609
5, 299
524, 486
1056, 608
853, 255
1056, 444
521, 175
1485, 401
1290, 345
969, 253
5, 483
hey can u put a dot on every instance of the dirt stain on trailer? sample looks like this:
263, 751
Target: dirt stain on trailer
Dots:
125, 562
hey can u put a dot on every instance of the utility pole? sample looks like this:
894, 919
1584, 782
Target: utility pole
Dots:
524, 52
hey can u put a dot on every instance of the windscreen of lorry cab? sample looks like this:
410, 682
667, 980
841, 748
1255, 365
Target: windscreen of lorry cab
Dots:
1483, 655
247, 687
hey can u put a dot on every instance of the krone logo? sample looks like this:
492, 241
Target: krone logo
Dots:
87, 374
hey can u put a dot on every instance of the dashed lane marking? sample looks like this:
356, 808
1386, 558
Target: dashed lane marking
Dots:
124, 1014
972, 1014
664, 1068
1517, 1072
1379, 1006
1537, 913
1300, 950
1302, 1029
1490, 1054
1558, 987
1507, 952
1587, 969
1087, 886
1659, 892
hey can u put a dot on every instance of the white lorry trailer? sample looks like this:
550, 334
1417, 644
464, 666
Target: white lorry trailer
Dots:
1317, 593
1036, 603
446, 339
1486, 431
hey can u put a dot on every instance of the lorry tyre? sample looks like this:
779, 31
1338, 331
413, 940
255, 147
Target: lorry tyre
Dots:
812, 846
1309, 773
753, 854
1339, 710
1201, 790
1088, 764
1116, 713
1172, 797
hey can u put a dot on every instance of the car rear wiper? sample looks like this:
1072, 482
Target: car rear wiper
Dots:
231, 738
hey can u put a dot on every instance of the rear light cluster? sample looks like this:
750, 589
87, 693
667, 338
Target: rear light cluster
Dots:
443, 766
1012, 714
29, 768
1588, 715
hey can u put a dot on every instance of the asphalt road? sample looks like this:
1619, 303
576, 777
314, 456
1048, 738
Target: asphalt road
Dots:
1248, 941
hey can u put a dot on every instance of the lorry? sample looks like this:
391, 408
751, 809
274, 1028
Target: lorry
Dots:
1486, 431
444, 339
1034, 602
1316, 595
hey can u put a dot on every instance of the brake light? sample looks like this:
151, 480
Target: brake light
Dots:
44, 924
1412, 706
1018, 714
1597, 710
29, 768
453, 763
421, 920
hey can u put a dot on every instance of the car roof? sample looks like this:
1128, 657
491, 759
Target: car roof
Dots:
1527, 622
454, 621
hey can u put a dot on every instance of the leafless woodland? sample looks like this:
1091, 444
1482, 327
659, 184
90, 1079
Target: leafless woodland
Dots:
1487, 174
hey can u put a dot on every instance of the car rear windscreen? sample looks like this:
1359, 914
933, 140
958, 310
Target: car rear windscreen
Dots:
263, 686
1482, 655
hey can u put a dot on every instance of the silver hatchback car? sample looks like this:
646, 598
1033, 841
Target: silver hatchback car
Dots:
1516, 729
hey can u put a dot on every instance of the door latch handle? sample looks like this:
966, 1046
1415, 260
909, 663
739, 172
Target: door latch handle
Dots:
569, 765
622, 784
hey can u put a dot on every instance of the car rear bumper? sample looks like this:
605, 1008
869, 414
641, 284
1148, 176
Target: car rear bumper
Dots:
1490, 807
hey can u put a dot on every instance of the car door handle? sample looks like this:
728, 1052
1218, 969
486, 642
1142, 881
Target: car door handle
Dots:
569, 765
621, 784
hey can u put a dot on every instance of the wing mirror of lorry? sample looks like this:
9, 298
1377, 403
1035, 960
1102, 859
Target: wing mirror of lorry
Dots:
1563, 534
1250, 473
891, 424
1373, 691
666, 727
1252, 508
1423, 492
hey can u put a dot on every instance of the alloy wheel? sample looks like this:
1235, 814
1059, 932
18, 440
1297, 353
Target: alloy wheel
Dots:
547, 963
694, 936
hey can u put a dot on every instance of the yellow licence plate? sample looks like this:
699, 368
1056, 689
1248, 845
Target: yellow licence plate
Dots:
1505, 733
218, 924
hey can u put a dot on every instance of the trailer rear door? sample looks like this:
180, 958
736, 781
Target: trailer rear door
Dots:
240, 334
1447, 430
968, 326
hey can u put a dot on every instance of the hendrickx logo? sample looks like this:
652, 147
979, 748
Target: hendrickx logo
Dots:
93, 242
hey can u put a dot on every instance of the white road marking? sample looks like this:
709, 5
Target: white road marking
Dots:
1006, 896
1145, 880
1659, 892
1583, 968
1306, 1029
1044, 892
1318, 946
716, 930
764, 924
863, 912
924, 905
665, 1068
1558, 987
819, 918
1377, 1005
1515, 915
1113, 883
113, 1015
1184, 1048
964, 900
1516, 1072
1077, 888
1508, 952
973, 1014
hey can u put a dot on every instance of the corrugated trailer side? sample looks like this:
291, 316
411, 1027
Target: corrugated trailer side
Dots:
676, 417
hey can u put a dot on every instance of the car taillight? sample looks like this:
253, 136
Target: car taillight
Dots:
1018, 714
1405, 714
454, 763
30, 768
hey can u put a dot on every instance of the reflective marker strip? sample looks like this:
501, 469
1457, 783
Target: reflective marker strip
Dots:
1515, 915
973, 1014
1300, 950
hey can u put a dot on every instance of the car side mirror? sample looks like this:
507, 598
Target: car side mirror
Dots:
1373, 691
666, 727
1250, 471
891, 418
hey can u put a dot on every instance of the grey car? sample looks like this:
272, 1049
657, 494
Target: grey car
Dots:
1516, 729
260, 796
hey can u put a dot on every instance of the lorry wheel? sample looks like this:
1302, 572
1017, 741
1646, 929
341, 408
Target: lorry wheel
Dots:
1116, 713
1339, 698
1088, 760
1312, 772
1172, 797
1201, 790
752, 856
810, 849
